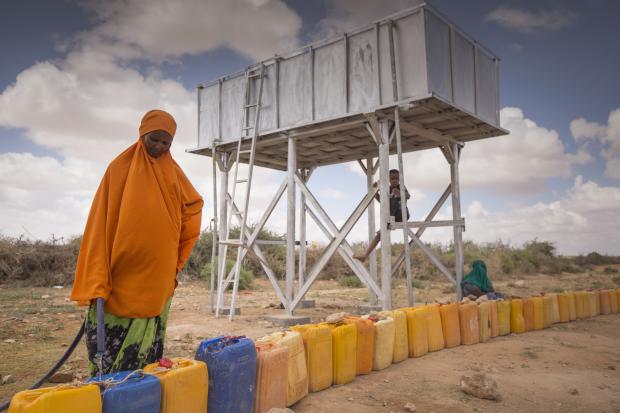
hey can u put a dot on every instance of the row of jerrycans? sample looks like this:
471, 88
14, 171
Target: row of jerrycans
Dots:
181, 386
234, 374
222, 378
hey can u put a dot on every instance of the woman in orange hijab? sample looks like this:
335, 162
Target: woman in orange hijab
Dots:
142, 226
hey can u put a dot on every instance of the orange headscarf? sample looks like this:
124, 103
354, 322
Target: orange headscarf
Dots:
142, 226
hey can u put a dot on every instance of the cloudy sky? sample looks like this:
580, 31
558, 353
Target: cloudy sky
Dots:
76, 76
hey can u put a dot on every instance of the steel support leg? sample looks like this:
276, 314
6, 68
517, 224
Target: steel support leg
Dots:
290, 223
456, 214
384, 196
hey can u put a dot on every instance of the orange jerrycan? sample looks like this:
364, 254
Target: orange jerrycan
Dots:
517, 321
493, 327
450, 324
297, 376
572, 306
613, 301
539, 316
318, 345
468, 316
365, 343
184, 387
64, 398
547, 311
384, 343
528, 314
483, 321
605, 302
435, 332
503, 317
417, 330
564, 305
271, 377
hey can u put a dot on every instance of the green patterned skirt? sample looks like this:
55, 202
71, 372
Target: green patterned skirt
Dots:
130, 343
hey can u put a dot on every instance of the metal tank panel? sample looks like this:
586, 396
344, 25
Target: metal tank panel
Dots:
417, 52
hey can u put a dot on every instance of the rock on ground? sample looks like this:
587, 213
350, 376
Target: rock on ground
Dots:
410, 407
61, 378
6, 379
480, 386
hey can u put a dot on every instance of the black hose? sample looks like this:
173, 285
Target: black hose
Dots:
56, 366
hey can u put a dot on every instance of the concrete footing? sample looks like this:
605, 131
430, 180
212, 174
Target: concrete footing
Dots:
368, 308
226, 311
283, 320
307, 304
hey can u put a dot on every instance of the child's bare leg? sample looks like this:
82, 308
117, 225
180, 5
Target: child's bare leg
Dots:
373, 244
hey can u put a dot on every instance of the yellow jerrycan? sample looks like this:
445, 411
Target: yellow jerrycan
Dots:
517, 321
564, 306
318, 345
483, 322
184, 387
572, 306
539, 316
63, 398
384, 343
468, 316
547, 311
494, 328
401, 342
417, 330
528, 313
435, 332
450, 324
503, 317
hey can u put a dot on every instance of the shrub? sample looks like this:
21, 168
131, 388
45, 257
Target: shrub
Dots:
610, 270
596, 285
507, 264
350, 281
245, 277
418, 283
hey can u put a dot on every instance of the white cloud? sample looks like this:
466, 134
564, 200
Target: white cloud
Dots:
476, 210
608, 136
87, 106
344, 15
582, 129
332, 193
586, 218
531, 21
160, 29
41, 195
520, 162
517, 47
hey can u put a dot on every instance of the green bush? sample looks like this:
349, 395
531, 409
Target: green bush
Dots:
594, 258
507, 264
350, 281
245, 276
610, 270
417, 283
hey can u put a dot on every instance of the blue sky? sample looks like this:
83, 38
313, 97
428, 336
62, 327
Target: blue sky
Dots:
559, 64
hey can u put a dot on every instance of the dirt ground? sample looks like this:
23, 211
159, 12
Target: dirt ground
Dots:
572, 367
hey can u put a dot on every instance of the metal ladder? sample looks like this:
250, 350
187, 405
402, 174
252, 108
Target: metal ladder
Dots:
247, 128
